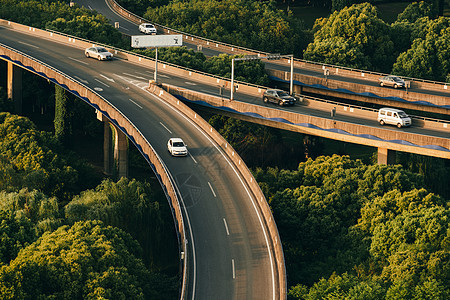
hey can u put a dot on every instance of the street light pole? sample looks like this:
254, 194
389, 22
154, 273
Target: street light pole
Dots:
156, 65
232, 79
291, 86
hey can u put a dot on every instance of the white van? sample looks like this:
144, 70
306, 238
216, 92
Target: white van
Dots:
393, 116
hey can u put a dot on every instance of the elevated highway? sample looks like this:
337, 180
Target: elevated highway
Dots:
353, 84
230, 244
208, 176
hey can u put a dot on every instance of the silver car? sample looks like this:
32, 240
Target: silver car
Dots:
392, 81
99, 53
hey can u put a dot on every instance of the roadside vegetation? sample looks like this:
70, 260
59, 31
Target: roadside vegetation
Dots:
353, 35
350, 229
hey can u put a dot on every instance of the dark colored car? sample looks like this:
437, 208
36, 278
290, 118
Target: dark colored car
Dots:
280, 97
393, 81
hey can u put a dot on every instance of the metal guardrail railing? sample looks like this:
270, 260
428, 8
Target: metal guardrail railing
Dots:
368, 108
114, 5
159, 61
181, 236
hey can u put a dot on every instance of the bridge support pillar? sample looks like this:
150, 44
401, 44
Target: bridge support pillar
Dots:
120, 153
14, 86
386, 156
118, 162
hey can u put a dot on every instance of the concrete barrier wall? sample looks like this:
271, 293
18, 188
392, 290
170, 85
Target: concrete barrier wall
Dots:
199, 41
357, 132
372, 76
234, 157
409, 95
123, 124
131, 57
298, 63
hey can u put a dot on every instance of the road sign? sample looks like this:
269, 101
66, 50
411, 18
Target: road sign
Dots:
150, 41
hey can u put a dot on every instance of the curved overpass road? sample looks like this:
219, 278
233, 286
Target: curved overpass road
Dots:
231, 256
129, 28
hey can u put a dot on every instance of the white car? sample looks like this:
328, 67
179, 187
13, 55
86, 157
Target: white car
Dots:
147, 28
393, 116
177, 147
99, 53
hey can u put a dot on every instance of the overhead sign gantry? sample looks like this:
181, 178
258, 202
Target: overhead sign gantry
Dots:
156, 41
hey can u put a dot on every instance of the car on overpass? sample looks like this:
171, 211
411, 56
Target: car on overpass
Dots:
177, 147
280, 97
99, 53
393, 116
392, 81
147, 28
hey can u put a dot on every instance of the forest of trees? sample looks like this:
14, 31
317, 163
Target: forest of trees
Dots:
350, 229
415, 45
59, 239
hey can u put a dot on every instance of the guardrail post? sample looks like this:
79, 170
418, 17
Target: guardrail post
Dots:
14, 86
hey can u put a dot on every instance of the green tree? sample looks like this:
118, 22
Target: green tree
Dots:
24, 217
354, 37
414, 11
35, 160
63, 115
252, 71
16, 232
429, 55
253, 24
345, 286
57, 15
180, 56
131, 206
139, 7
85, 261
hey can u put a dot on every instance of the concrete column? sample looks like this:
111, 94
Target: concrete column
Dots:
386, 156
14, 86
121, 153
107, 162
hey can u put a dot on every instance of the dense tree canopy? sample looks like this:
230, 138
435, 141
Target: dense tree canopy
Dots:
58, 15
253, 24
85, 261
354, 37
39, 256
131, 206
429, 55
371, 230
34, 159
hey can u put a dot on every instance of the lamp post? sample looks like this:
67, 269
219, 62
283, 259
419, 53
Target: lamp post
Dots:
156, 64
232, 78
291, 85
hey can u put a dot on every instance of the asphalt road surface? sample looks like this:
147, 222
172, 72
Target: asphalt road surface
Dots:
229, 251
